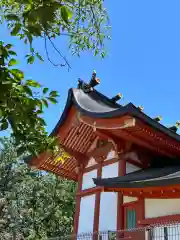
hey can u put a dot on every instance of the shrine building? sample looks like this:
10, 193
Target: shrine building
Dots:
126, 164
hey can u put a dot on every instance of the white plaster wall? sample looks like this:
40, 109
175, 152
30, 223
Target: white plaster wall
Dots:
108, 211
127, 199
86, 217
91, 162
111, 155
110, 170
161, 207
87, 181
131, 168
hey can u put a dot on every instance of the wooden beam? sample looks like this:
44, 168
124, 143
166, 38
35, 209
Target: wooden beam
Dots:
120, 211
80, 157
49, 166
155, 141
160, 220
78, 203
160, 138
128, 136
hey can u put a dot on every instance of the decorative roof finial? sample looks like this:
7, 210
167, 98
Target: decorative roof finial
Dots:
117, 97
140, 108
178, 124
158, 118
94, 81
175, 127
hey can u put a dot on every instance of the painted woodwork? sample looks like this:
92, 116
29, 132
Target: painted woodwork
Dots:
101, 149
112, 147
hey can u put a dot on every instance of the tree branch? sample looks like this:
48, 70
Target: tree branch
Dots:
48, 57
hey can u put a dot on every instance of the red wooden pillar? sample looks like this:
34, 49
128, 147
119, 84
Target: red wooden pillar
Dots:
120, 210
97, 207
78, 202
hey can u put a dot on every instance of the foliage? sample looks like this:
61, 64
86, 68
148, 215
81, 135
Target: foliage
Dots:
33, 205
85, 22
21, 107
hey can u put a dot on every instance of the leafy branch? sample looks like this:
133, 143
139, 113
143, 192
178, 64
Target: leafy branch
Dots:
21, 108
85, 22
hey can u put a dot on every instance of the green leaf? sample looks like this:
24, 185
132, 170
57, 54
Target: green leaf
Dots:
35, 30
17, 73
70, 13
29, 37
16, 29
12, 62
28, 90
44, 101
39, 112
8, 46
42, 121
12, 53
31, 59
52, 100
39, 57
103, 54
4, 125
54, 94
64, 14
12, 17
6, 82
45, 90
39, 104
33, 83
1, 113
20, 150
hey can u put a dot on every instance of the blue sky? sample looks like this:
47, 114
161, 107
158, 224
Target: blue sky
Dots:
143, 62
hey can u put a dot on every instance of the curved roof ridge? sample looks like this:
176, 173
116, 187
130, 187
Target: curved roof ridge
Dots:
95, 104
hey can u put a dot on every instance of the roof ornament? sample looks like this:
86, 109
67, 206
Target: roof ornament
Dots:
175, 127
118, 97
140, 108
88, 87
84, 86
158, 118
94, 81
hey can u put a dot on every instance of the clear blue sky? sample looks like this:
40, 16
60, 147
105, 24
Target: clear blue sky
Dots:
143, 61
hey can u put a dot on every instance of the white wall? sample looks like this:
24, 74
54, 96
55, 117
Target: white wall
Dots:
108, 211
86, 217
110, 170
108, 202
131, 168
87, 181
127, 199
91, 162
111, 155
161, 207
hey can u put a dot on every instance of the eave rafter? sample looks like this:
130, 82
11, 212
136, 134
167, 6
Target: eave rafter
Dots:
139, 134
158, 138
148, 192
58, 170
128, 136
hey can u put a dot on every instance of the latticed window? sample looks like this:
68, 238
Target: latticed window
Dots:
130, 218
